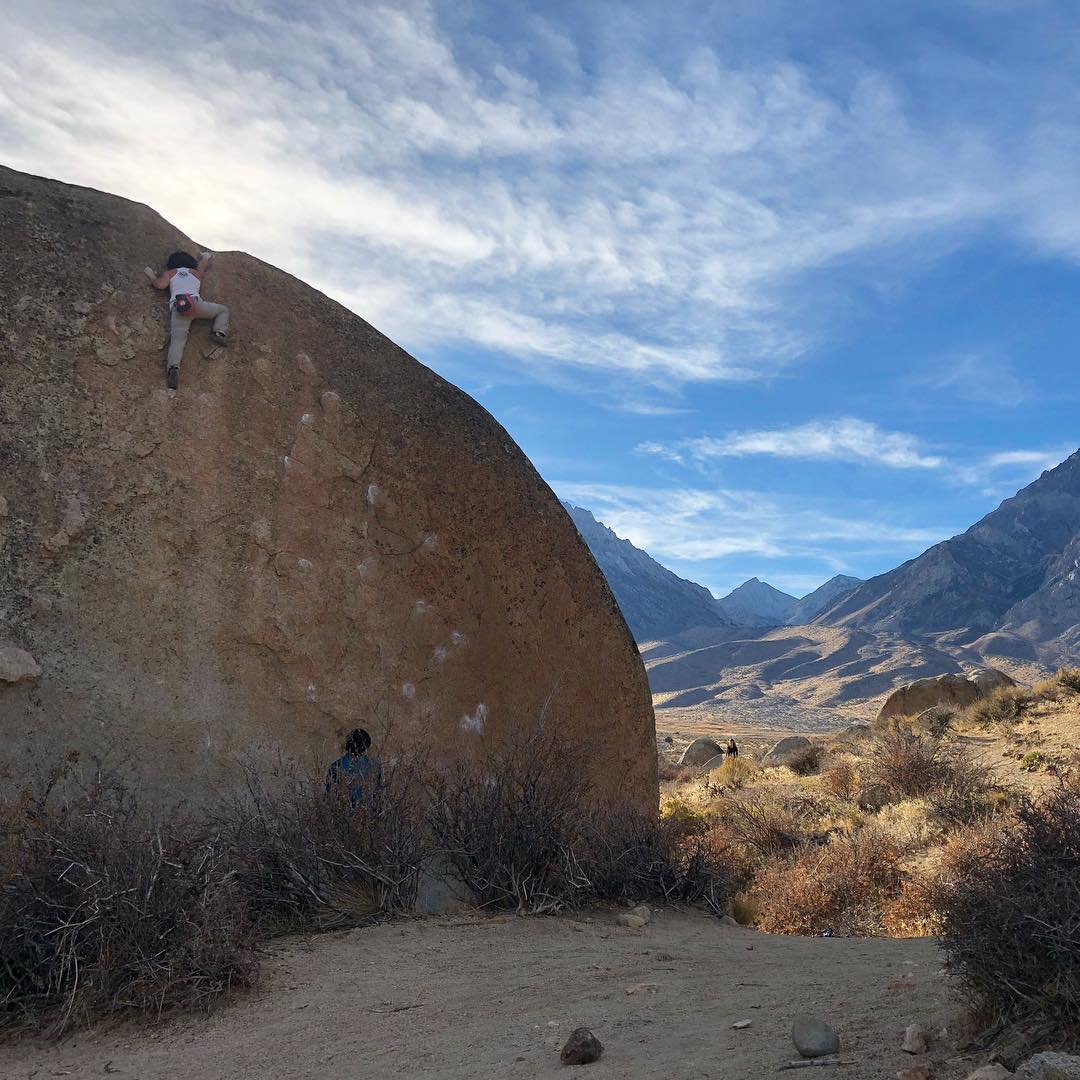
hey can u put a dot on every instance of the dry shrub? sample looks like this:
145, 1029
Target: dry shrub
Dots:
903, 765
105, 909
1069, 679
509, 821
807, 761
937, 720
839, 886
1002, 709
1010, 910
966, 790
521, 829
683, 818
911, 823
841, 778
760, 822
733, 774
303, 857
628, 856
914, 912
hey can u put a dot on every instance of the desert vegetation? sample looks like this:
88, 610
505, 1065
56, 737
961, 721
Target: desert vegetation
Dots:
107, 907
912, 830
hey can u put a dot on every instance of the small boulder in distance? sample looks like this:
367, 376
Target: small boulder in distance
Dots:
910, 700
780, 753
700, 751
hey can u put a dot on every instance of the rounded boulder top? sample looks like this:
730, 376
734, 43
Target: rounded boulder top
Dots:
315, 531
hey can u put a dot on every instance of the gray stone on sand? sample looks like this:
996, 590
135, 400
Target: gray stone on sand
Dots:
582, 1048
916, 1041
1050, 1066
813, 1037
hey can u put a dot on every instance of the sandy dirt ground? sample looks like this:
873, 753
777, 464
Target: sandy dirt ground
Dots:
496, 997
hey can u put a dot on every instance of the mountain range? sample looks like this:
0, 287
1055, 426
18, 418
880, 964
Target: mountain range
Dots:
1008, 586
656, 603
1005, 592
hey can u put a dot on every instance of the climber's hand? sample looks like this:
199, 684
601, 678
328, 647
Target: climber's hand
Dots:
151, 274
204, 259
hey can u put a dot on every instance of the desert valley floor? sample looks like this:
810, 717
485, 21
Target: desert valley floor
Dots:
464, 997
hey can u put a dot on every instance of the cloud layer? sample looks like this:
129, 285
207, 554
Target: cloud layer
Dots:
660, 217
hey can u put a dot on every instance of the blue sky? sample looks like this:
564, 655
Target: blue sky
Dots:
774, 288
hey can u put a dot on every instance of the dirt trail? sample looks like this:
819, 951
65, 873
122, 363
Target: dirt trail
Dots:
470, 997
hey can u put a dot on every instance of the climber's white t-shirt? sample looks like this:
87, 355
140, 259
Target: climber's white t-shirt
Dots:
183, 282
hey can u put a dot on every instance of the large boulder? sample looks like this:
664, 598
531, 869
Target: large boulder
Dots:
785, 750
314, 531
951, 690
700, 751
955, 690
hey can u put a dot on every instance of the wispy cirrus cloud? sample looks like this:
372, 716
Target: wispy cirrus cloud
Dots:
698, 524
983, 376
847, 439
665, 222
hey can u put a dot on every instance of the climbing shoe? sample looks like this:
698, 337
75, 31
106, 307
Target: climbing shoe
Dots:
218, 337
173, 378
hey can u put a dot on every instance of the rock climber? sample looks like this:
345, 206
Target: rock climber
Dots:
356, 774
732, 748
183, 276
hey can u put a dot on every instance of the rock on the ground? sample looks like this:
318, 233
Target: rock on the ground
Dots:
700, 751
642, 911
17, 665
781, 752
993, 1071
630, 920
915, 1072
315, 530
813, 1037
1050, 1066
914, 698
916, 1040
582, 1048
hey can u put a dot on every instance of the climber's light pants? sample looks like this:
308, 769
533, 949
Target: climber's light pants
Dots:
180, 325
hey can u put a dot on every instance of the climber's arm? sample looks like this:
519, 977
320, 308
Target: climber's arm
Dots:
159, 281
204, 263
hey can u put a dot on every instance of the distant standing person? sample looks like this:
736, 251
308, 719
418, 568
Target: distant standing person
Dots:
183, 276
732, 748
356, 773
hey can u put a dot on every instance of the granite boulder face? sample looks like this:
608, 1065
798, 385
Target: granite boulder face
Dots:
950, 690
315, 531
